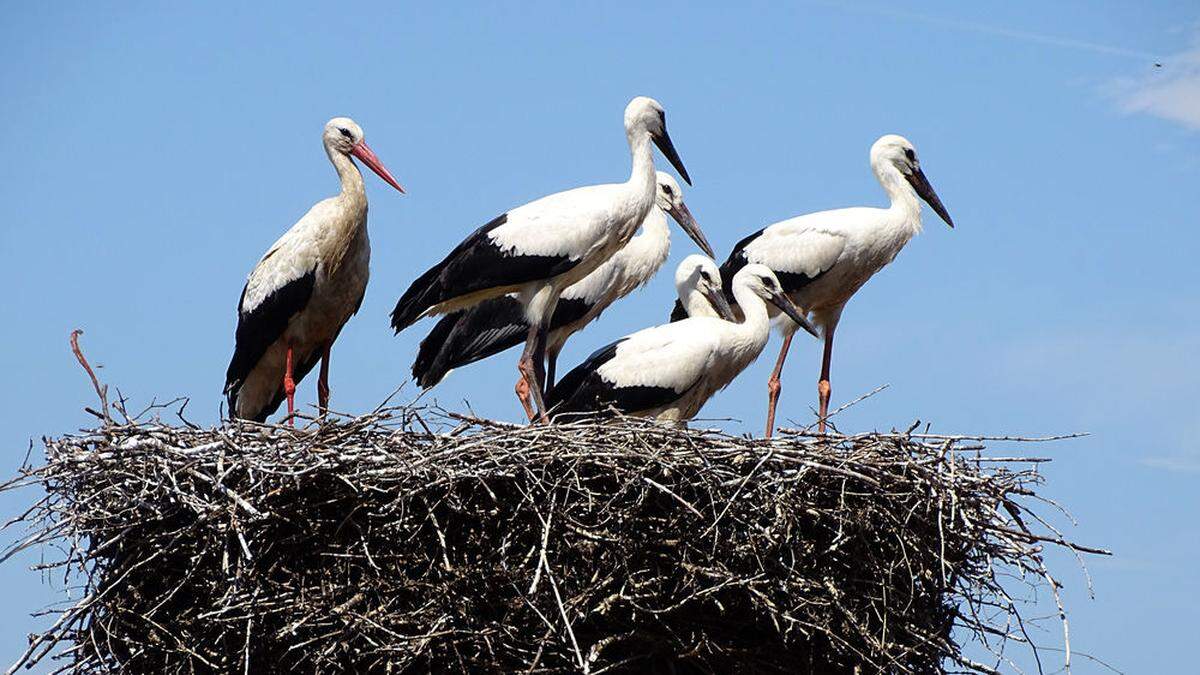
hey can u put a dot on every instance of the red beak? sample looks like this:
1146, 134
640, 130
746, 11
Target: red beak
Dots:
368, 157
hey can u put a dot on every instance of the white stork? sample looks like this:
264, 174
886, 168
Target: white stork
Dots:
695, 277
301, 293
823, 258
492, 326
539, 249
669, 372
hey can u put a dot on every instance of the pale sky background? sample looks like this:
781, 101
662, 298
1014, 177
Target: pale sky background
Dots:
154, 152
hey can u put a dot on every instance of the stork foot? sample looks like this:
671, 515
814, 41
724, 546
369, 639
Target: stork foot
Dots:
289, 388
522, 390
773, 389
823, 392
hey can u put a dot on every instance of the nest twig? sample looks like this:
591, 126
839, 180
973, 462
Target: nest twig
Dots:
416, 540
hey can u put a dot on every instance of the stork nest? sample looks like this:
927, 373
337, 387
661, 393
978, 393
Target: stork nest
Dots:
414, 540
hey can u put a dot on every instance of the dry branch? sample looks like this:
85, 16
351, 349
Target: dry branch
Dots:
416, 540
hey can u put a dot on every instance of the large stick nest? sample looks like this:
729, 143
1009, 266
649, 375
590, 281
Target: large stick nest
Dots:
411, 540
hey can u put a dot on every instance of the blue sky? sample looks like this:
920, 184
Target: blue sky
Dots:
154, 152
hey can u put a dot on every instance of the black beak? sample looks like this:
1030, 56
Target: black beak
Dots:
683, 216
921, 184
788, 307
719, 302
663, 141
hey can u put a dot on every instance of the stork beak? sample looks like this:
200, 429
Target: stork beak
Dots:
785, 305
719, 302
368, 157
921, 184
663, 141
683, 216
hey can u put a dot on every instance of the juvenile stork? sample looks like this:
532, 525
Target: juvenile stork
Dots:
492, 326
669, 372
301, 293
539, 249
823, 258
695, 277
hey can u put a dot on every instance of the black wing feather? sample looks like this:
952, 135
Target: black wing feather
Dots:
583, 390
470, 335
474, 265
734, 263
260, 327
678, 313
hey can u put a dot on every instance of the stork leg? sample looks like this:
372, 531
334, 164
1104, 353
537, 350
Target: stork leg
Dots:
323, 383
289, 387
774, 386
551, 362
823, 388
533, 368
522, 390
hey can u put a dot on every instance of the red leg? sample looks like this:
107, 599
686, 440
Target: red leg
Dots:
533, 369
774, 386
323, 383
823, 388
522, 390
289, 387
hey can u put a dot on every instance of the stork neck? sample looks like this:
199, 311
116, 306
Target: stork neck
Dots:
348, 173
655, 237
641, 176
754, 310
903, 197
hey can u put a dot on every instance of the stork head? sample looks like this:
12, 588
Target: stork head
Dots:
670, 199
343, 135
645, 115
899, 153
699, 274
761, 281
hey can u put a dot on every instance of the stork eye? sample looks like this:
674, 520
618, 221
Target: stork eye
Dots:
912, 156
666, 189
345, 132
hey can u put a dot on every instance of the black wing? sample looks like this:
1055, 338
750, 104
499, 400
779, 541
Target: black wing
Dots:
471, 335
474, 265
260, 327
678, 313
583, 390
735, 262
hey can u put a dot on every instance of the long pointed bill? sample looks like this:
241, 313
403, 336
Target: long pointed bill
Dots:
719, 302
921, 184
368, 157
683, 216
668, 150
785, 305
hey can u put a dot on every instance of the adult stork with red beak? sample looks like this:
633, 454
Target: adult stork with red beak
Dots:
304, 289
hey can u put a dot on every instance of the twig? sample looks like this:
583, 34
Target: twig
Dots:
101, 390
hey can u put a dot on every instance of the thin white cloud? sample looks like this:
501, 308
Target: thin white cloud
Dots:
1171, 92
1174, 464
997, 31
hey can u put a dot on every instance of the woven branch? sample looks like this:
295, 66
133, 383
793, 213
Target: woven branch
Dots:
411, 540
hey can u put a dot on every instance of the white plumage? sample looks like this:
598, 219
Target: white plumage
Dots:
697, 283
823, 258
492, 326
539, 249
305, 288
668, 372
